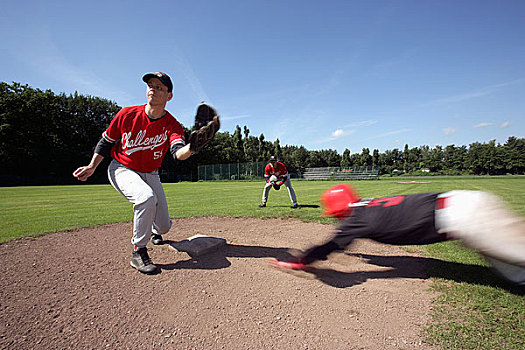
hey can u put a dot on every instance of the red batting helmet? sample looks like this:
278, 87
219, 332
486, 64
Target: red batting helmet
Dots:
337, 199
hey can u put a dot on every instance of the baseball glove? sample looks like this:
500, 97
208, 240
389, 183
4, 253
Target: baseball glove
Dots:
207, 124
272, 179
276, 187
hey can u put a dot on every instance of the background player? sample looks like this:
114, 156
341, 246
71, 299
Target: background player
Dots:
137, 139
478, 219
281, 176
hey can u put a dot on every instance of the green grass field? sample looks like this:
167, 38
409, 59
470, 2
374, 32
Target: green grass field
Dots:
473, 310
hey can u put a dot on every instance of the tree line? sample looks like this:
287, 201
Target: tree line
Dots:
45, 136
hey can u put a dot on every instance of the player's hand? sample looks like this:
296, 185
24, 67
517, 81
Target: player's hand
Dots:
83, 173
294, 264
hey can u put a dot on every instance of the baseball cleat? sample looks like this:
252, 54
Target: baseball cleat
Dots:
142, 262
156, 239
262, 205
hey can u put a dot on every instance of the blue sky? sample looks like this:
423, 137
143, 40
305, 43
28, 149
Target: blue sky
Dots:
322, 74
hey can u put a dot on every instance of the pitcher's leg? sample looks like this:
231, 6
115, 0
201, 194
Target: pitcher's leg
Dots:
161, 221
132, 186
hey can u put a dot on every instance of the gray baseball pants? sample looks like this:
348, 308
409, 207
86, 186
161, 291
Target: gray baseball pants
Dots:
145, 192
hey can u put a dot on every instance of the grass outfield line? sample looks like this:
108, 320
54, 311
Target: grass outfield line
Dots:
473, 311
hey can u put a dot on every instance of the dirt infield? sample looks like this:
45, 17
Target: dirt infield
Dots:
76, 290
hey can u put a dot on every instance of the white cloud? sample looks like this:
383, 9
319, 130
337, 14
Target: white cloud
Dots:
449, 131
504, 125
338, 133
482, 125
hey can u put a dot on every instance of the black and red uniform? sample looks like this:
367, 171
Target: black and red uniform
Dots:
400, 220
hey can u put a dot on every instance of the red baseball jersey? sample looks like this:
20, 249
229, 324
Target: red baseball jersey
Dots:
140, 142
278, 171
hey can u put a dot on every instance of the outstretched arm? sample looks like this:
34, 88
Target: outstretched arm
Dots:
319, 252
102, 150
84, 172
303, 261
182, 153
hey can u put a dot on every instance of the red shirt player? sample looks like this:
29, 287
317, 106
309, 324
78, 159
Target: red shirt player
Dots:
276, 175
137, 139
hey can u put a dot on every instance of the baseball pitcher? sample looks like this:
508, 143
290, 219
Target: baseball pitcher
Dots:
137, 140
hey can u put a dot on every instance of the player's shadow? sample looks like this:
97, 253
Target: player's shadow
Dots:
300, 205
218, 259
398, 267
414, 267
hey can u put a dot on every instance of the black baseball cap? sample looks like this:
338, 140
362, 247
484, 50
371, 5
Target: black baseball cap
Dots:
163, 77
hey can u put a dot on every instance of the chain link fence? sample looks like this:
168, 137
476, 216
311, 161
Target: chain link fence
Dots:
231, 171
336, 173
255, 170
